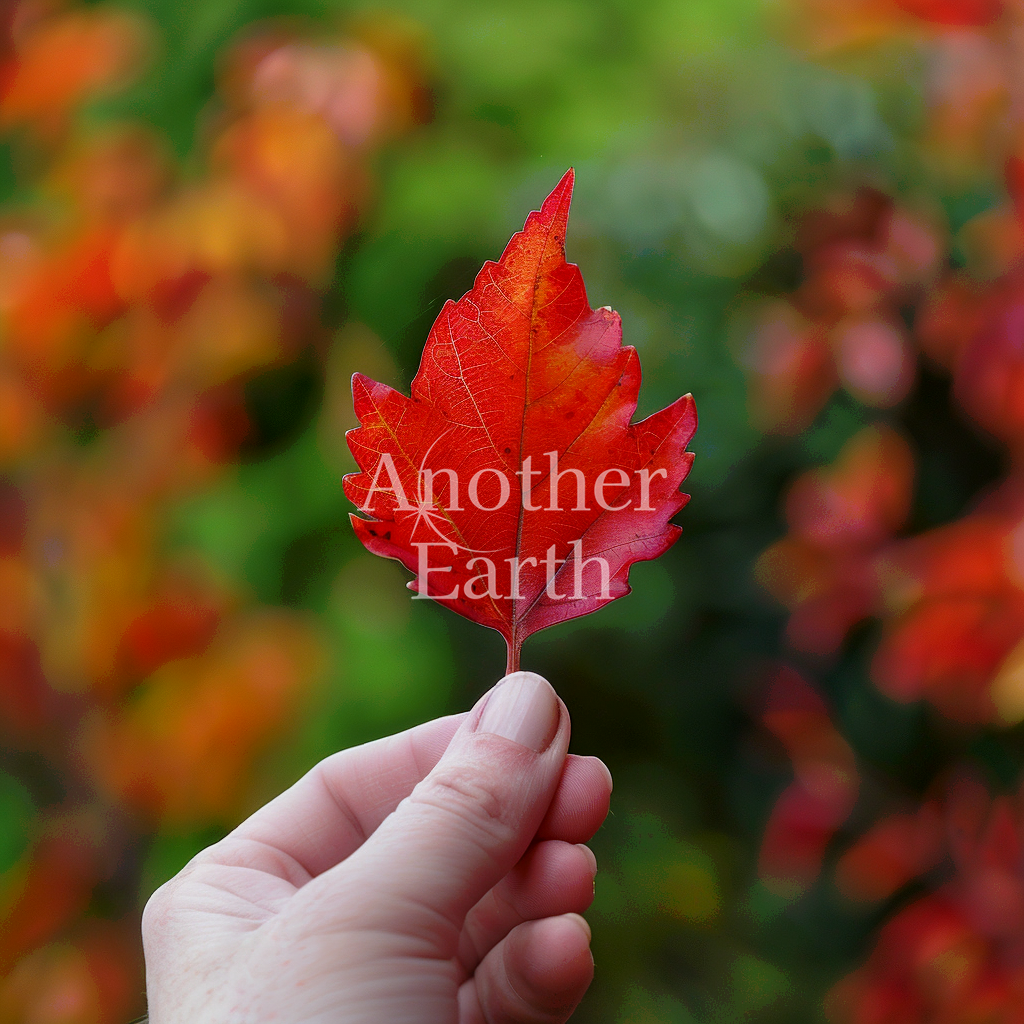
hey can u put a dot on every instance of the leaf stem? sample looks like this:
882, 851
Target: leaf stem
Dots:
515, 647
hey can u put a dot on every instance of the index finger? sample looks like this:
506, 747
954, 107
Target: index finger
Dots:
337, 804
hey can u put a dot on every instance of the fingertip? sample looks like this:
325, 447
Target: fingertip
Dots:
524, 675
549, 961
539, 692
605, 771
553, 878
524, 708
540, 971
541, 951
601, 784
589, 854
579, 921
581, 801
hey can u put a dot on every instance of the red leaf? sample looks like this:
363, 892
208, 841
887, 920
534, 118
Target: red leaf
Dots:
518, 377
954, 12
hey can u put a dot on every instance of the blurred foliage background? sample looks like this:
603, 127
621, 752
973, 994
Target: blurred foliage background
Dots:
807, 212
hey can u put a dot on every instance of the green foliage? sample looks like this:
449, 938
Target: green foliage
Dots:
16, 812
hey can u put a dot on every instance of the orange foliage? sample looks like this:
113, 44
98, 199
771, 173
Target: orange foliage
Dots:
181, 748
59, 61
134, 305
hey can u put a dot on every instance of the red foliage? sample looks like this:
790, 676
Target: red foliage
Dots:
955, 612
954, 954
13, 519
89, 978
807, 814
954, 12
521, 379
890, 854
950, 600
52, 889
181, 748
989, 372
24, 692
840, 518
178, 624
863, 257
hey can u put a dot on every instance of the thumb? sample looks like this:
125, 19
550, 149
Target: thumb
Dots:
464, 827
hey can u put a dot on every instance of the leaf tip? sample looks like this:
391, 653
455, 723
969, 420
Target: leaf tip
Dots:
556, 207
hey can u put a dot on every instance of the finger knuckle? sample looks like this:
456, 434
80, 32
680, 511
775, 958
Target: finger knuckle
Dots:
157, 913
474, 803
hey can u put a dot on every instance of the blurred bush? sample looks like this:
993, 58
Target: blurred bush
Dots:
808, 214
141, 299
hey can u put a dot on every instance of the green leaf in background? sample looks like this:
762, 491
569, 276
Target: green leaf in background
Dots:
16, 811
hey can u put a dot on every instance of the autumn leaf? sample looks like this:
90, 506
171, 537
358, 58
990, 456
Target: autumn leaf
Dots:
513, 482
954, 12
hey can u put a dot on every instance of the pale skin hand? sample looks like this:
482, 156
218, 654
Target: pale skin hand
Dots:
432, 877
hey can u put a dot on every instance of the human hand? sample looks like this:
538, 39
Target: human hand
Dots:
431, 877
